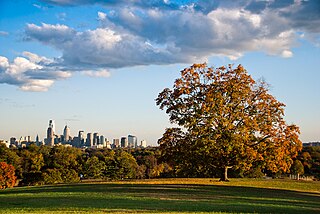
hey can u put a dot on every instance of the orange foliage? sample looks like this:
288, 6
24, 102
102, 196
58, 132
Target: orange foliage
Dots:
7, 175
229, 120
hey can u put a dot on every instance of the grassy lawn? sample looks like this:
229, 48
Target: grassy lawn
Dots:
166, 196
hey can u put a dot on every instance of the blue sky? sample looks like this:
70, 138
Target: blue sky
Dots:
98, 65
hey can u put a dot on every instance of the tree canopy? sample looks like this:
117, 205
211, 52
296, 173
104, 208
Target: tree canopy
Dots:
225, 119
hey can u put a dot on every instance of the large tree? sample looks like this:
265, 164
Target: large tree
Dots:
225, 119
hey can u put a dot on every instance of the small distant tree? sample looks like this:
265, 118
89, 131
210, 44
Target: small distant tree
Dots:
297, 168
7, 175
225, 120
93, 168
126, 165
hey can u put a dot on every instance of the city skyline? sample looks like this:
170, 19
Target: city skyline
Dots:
81, 140
98, 65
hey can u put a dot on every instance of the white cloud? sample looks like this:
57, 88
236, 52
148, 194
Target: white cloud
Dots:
102, 47
37, 59
143, 32
154, 36
102, 16
286, 54
21, 65
50, 34
99, 73
37, 85
34, 73
4, 63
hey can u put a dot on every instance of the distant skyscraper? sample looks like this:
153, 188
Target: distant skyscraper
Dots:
124, 142
116, 143
13, 141
81, 138
96, 139
132, 141
66, 134
50, 137
89, 139
143, 144
52, 125
50, 133
102, 141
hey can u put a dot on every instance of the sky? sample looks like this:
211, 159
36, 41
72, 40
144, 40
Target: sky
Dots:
98, 65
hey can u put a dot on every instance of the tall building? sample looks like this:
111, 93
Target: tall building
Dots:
116, 143
132, 141
50, 137
66, 134
143, 144
81, 138
102, 141
89, 141
50, 133
13, 141
124, 142
96, 139
52, 125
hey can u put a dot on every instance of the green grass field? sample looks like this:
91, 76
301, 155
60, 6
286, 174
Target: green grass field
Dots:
166, 196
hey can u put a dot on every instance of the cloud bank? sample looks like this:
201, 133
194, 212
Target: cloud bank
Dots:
144, 32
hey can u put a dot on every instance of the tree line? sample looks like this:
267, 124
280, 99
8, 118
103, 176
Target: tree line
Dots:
35, 165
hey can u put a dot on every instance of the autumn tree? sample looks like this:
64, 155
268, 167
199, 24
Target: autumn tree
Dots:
11, 157
7, 175
225, 120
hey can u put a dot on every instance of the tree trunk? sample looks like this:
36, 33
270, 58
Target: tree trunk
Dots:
224, 177
298, 176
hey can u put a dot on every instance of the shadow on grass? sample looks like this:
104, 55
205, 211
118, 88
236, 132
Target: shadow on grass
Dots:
159, 198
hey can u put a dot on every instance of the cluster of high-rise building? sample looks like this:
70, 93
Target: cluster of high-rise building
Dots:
82, 140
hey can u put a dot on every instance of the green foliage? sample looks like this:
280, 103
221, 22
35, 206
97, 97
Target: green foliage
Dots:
126, 165
297, 168
310, 158
50, 165
10, 156
93, 168
254, 173
141, 171
61, 157
52, 176
32, 160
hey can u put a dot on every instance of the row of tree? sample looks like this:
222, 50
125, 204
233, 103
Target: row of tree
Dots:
48, 165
